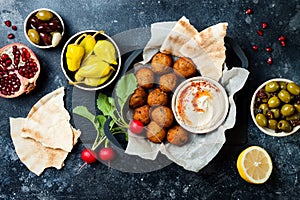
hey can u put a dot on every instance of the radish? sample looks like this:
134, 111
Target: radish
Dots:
106, 154
88, 156
136, 126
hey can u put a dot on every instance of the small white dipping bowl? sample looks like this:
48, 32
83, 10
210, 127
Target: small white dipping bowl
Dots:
200, 104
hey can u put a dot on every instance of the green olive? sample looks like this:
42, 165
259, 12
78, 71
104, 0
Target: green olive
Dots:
282, 85
261, 120
287, 110
284, 96
274, 102
272, 124
276, 112
293, 117
297, 107
33, 36
264, 107
284, 126
293, 88
272, 86
44, 15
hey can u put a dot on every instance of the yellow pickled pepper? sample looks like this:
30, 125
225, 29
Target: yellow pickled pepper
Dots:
106, 51
96, 81
88, 43
74, 54
97, 69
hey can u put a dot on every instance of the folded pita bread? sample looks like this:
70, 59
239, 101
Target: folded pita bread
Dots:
48, 122
33, 154
207, 50
182, 32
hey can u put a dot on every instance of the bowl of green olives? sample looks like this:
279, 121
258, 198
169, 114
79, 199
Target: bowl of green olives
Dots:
275, 107
44, 28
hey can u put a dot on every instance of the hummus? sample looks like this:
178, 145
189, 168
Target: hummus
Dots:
200, 105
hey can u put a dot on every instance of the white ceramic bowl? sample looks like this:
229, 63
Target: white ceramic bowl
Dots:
27, 26
265, 129
200, 104
70, 75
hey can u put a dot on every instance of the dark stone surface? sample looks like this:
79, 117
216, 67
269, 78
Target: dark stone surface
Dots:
219, 179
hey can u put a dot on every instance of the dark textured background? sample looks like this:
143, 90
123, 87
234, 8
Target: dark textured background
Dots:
219, 179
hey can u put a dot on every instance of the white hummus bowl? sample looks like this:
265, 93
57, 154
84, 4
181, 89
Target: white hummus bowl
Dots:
200, 104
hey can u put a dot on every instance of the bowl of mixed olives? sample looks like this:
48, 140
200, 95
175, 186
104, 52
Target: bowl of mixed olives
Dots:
43, 28
275, 107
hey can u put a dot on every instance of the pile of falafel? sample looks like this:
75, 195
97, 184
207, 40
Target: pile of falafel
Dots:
151, 100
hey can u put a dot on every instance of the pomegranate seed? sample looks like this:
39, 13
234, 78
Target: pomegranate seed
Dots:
260, 32
268, 49
10, 36
282, 38
269, 60
7, 23
14, 28
4, 56
264, 25
255, 47
283, 44
249, 11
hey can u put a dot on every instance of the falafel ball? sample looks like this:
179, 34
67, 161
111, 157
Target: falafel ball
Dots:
185, 67
177, 135
161, 63
162, 115
157, 97
155, 133
142, 114
145, 77
138, 98
168, 82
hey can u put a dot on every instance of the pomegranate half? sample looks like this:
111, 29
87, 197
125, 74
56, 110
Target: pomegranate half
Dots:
19, 70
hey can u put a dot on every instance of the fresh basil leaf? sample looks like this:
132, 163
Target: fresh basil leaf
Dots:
125, 88
84, 112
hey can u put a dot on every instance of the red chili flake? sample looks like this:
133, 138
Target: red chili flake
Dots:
270, 61
249, 11
268, 49
255, 47
283, 44
7, 23
260, 32
10, 36
14, 27
264, 25
282, 38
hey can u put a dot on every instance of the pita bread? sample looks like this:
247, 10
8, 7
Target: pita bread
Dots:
207, 50
182, 32
48, 122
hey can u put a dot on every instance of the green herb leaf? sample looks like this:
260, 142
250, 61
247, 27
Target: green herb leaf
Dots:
105, 104
84, 112
125, 88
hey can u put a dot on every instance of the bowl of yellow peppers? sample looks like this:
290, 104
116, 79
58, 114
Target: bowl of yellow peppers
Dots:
90, 60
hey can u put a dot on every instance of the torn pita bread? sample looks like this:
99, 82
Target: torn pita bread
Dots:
33, 154
207, 50
48, 122
182, 32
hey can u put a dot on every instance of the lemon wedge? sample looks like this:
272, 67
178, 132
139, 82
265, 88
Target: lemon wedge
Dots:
254, 165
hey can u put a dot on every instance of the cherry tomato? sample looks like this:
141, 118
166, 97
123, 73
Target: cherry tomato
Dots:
106, 154
88, 156
136, 126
